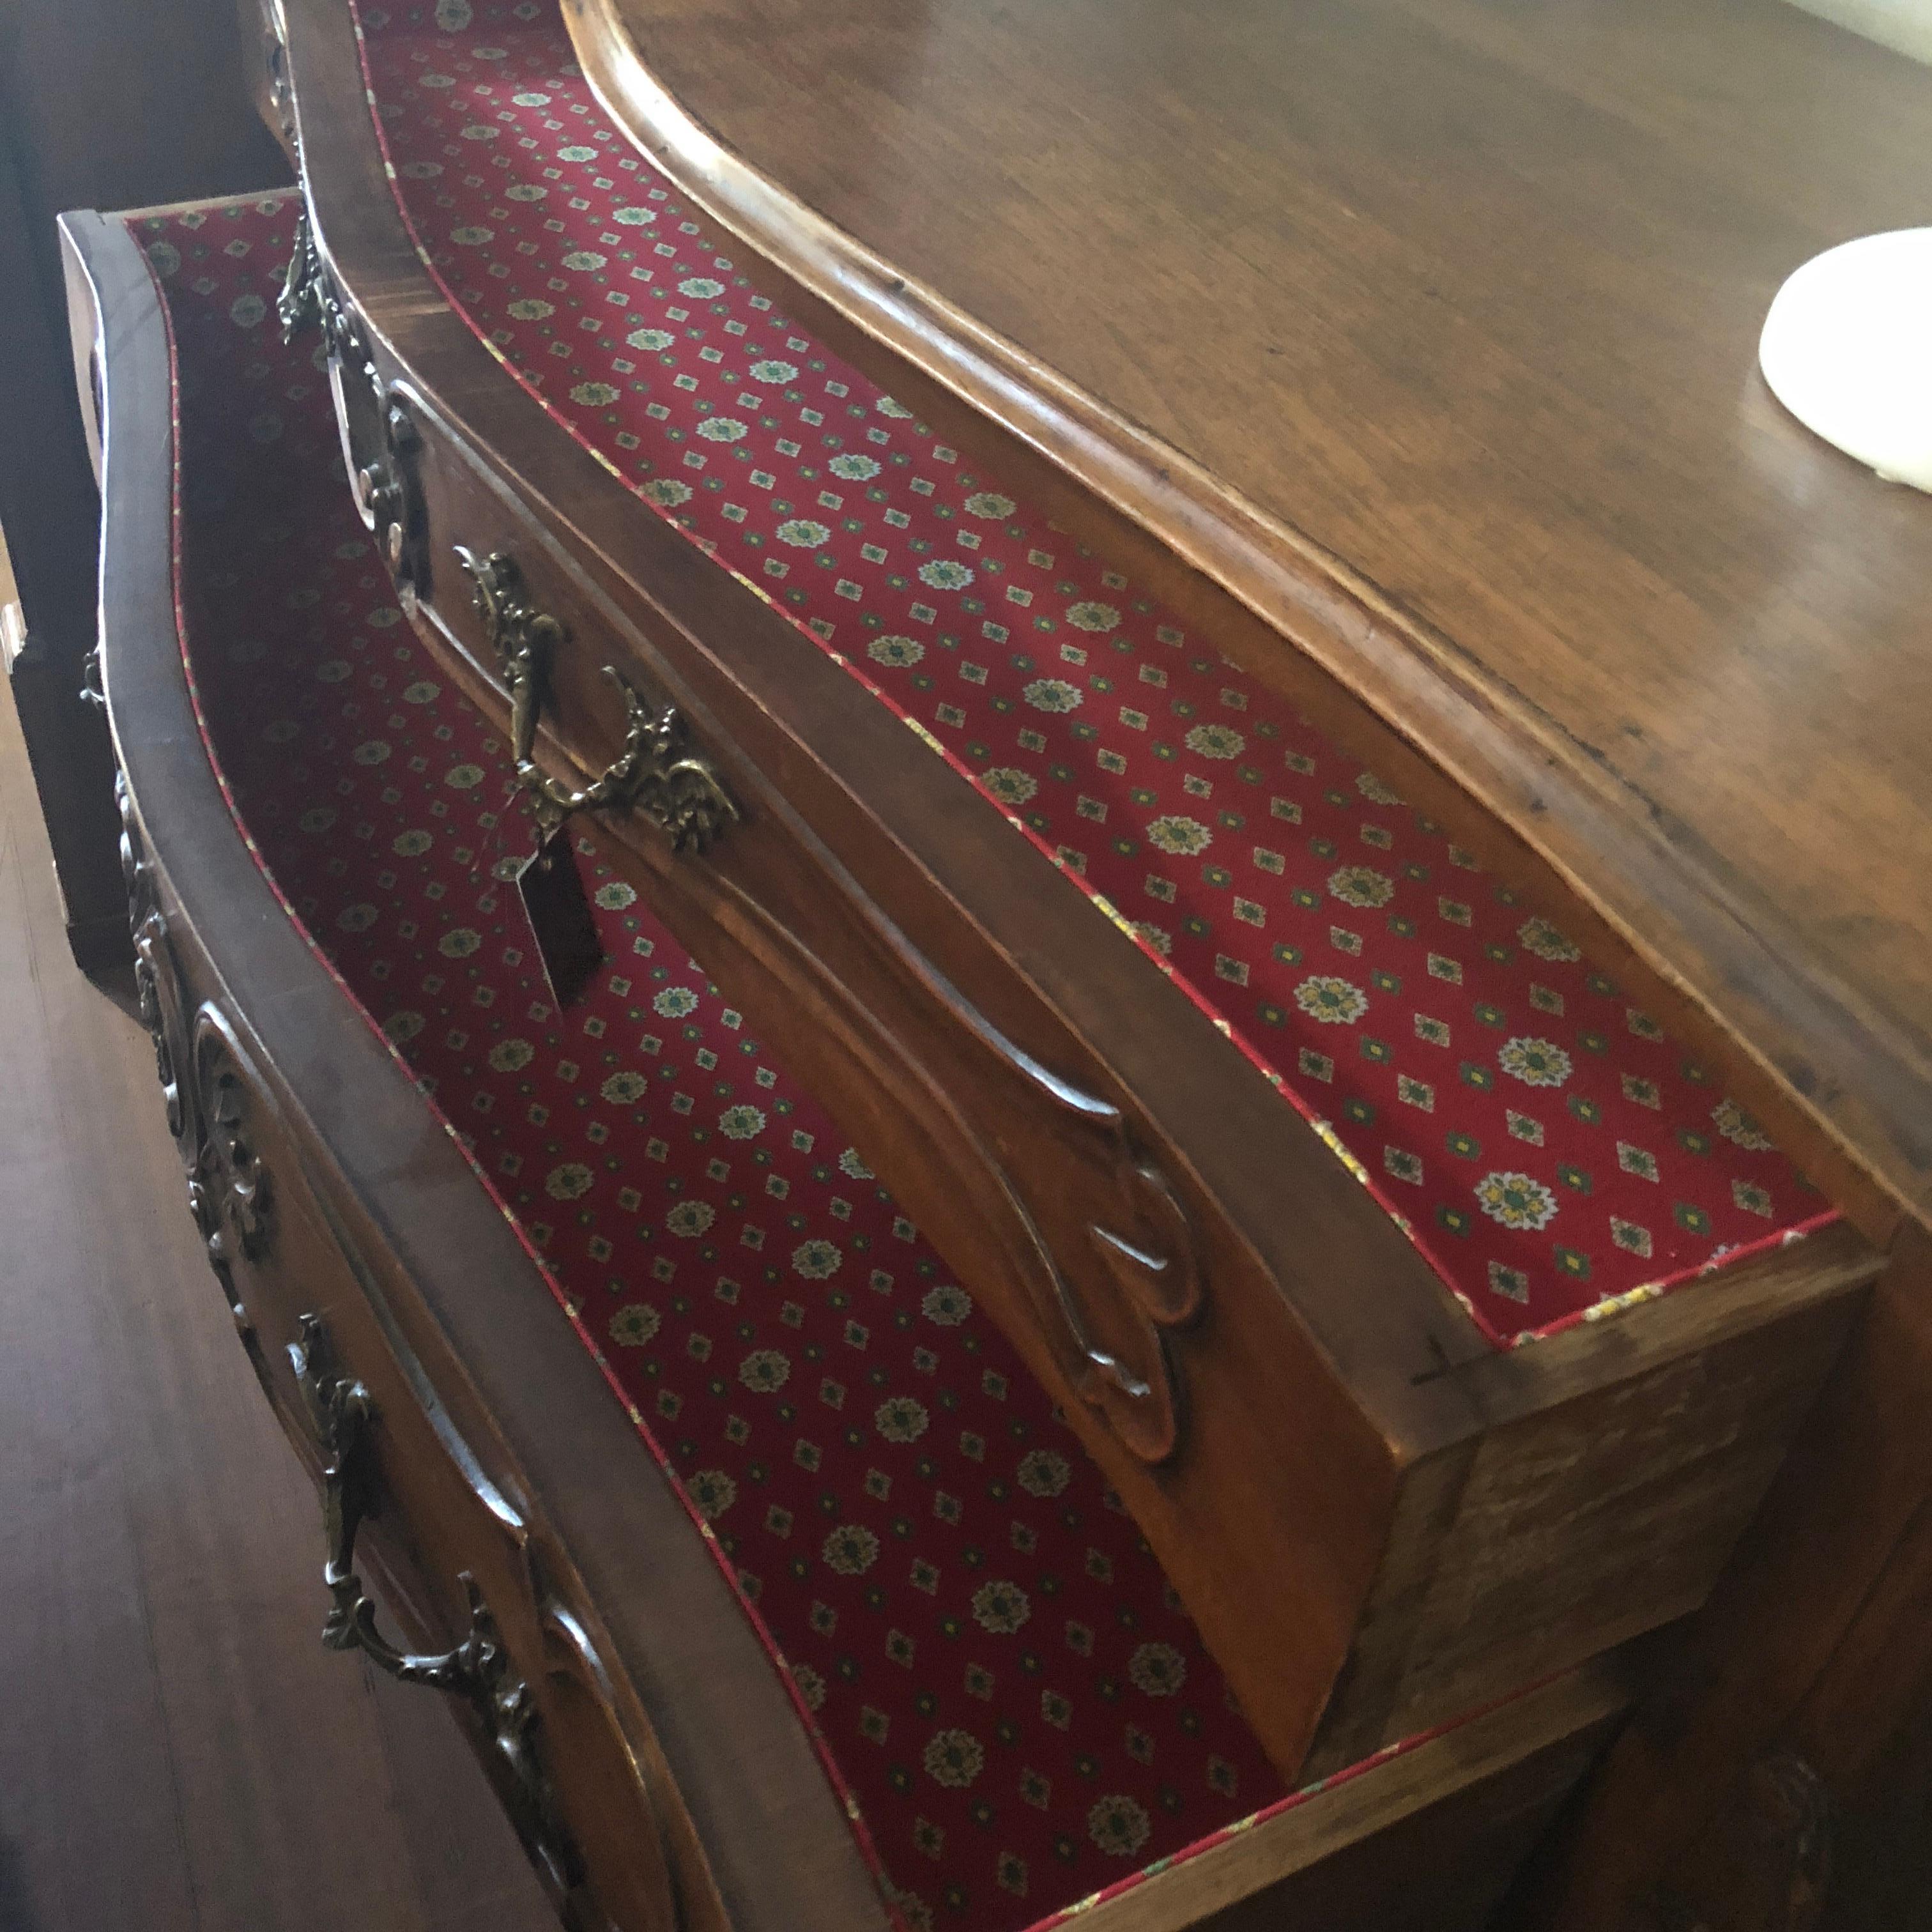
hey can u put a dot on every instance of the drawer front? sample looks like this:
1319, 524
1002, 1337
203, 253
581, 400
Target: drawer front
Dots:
416, 1492
1116, 1271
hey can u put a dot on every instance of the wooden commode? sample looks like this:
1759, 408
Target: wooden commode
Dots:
1041, 993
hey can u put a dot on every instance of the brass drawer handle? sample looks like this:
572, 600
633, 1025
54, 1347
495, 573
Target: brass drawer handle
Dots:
305, 296
342, 1410
677, 790
275, 63
477, 1669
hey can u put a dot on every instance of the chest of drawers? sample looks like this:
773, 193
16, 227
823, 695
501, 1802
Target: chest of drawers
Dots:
1271, 1177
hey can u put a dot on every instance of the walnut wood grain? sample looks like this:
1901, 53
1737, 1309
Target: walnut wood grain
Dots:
846, 809
1425, 337
1426, 1843
1604, 1494
1760, 675
1813, 1643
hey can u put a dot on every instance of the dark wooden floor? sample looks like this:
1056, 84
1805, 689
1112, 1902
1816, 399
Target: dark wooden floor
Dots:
177, 1752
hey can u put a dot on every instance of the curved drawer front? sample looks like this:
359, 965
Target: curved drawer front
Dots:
1078, 1217
1112, 1256
1297, 898
1330, 1460
406, 1342
425, 1501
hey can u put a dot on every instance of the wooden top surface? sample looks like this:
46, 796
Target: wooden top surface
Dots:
1428, 328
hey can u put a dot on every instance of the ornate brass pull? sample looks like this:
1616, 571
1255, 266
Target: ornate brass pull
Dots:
304, 292
341, 1410
477, 1668
676, 789
275, 59
382, 492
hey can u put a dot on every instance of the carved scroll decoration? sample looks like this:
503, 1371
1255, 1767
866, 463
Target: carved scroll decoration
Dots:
381, 444
477, 1668
158, 979
679, 790
229, 1188
1125, 1363
199, 1065
231, 1185
1117, 1347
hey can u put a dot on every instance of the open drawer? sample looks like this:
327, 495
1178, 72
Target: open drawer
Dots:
827, 1620
1438, 1319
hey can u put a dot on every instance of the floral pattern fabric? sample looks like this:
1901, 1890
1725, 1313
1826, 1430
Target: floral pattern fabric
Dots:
1006, 1689
1548, 1148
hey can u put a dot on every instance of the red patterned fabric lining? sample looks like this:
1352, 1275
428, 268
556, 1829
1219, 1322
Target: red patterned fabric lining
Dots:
1004, 1684
1548, 1149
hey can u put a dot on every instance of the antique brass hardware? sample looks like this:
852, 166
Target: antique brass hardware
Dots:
676, 789
305, 297
477, 1668
275, 60
379, 455
341, 1410
158, 982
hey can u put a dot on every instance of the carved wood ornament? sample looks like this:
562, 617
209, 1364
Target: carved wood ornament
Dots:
229, 1188
1141, 1256
380, 443
157, 983
1112, 1309
477, 1669
196, 1060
